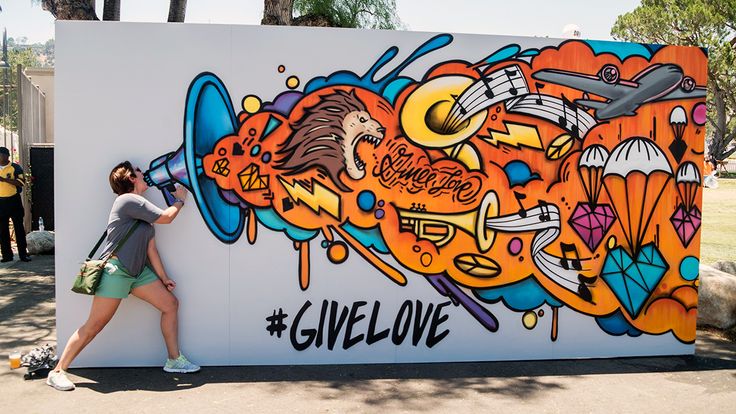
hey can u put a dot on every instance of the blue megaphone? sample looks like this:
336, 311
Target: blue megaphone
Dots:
208, 116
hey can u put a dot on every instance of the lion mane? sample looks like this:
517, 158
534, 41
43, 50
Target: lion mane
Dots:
318, 137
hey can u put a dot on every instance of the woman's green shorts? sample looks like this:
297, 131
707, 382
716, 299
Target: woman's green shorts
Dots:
116, 283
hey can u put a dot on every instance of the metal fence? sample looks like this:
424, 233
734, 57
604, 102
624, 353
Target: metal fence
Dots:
32, 110
32, 127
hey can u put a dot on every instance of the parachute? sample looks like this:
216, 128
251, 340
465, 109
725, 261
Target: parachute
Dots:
678, 121
688, 182
634, 178
590, 167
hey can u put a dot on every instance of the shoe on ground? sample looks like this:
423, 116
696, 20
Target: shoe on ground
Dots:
60, 381
6, 259
180, 365
25, 259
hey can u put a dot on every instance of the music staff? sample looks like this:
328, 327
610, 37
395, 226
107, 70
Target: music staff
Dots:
489, 90
568, 116
544, 220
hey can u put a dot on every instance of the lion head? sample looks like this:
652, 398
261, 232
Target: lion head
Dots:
328, 135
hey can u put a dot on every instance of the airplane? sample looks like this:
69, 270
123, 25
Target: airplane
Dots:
658, 82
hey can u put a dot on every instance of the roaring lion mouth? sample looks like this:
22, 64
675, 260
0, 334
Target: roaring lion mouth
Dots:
371, 140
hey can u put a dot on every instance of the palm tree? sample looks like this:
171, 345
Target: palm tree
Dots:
111, 10
177, 9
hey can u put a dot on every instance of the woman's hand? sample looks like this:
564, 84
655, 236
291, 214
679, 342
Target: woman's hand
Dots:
169, 214
170, 284
180, 193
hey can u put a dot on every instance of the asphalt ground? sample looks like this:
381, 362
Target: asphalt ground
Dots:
705, 382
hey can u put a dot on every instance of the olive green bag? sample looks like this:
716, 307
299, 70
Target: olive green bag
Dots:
90, 274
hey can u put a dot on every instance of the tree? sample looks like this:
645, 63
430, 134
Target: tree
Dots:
277, 12
25, 57
369, 14
71, 9
85, 9
704, 23
111, 10
177, 9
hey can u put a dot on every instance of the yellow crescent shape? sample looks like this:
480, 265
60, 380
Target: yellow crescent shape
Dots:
425, 111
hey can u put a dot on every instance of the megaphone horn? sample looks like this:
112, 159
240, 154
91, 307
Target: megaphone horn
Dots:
208, 116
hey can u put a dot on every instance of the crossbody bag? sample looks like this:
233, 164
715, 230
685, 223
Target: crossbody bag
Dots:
90, 273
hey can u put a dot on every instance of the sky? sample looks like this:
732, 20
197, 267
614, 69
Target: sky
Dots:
518, 18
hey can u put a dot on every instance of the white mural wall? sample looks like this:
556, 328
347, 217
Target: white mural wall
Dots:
377, 196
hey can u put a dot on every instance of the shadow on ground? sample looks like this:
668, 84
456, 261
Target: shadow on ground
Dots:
520, 378
27, 306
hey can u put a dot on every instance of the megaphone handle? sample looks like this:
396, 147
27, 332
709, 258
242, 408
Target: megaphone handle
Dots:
167, 193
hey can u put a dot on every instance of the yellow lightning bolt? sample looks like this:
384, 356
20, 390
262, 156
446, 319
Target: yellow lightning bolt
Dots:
516, 135
320, 197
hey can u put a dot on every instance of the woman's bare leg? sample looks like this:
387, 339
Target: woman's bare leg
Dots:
100, 314
157, 295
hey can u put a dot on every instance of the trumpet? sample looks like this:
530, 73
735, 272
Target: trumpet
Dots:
440, 228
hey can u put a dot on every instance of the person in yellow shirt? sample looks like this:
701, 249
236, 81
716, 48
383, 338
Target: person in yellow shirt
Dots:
11, 208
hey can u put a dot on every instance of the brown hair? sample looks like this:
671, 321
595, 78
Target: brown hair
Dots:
307, 147
120, 178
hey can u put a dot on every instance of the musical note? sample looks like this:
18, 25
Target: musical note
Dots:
486, 82
588, 280
511, 74
565, 261
519, 197
545, 211
539, 86
574, 129
457, 102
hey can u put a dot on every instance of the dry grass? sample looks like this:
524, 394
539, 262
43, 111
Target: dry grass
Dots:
718, 241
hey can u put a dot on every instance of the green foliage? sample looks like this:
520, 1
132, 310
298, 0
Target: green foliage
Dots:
26, 58
705, 23
368, 14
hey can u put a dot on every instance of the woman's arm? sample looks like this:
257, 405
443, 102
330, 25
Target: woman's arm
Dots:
170, 213
158, 266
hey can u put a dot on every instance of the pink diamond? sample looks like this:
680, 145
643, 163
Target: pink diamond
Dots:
686, 223
591, 222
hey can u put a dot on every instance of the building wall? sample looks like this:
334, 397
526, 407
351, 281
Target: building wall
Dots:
44, 79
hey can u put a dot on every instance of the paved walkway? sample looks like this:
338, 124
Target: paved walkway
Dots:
703, 383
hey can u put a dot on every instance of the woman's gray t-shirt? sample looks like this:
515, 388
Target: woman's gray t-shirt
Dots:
126, 210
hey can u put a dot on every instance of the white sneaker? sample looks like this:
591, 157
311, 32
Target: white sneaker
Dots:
180, 365
59, 381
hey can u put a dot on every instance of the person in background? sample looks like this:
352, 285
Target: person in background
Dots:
11, 208
134, 268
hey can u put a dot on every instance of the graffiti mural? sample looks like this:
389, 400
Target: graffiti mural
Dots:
565, 176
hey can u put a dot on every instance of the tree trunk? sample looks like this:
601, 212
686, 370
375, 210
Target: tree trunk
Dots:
111, 10
719, 147
71, 9
177, 10
277, 12
313, 20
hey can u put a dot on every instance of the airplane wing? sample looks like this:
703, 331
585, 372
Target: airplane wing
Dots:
698, 92
592, 104
584, 82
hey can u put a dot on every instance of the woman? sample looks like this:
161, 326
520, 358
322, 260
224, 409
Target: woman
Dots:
128, 271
